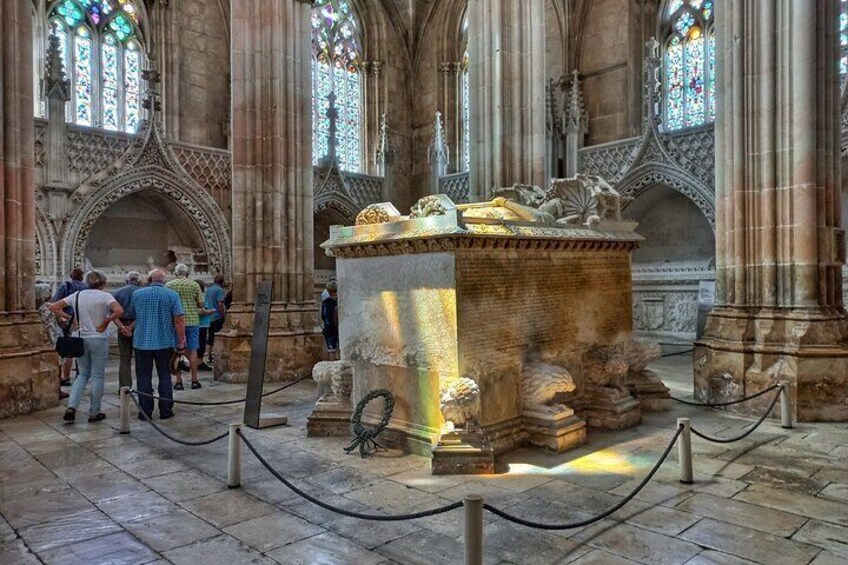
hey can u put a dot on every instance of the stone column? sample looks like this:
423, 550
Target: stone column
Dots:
28, 378
386, 160
506, 41
272, 188
779, 237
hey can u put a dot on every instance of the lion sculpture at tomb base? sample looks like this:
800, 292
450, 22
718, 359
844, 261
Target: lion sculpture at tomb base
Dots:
541, 383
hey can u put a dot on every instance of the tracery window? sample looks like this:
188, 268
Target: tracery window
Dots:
336, 72
688, 63
100, 43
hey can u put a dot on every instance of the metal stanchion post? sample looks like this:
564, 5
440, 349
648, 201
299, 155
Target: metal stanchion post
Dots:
234, 458
473, 529
684, 451
785, 406
124, 426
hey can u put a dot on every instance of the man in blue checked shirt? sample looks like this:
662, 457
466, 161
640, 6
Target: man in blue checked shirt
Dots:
158, 314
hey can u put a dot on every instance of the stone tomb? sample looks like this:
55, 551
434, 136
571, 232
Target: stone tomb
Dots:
492, 325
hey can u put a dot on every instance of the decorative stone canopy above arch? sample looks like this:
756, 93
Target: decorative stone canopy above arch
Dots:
149, 164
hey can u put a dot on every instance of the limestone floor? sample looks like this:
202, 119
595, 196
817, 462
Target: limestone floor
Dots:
85, 494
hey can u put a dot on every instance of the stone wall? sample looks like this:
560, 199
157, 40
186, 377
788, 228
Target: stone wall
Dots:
202, 73
605, 70
519, 303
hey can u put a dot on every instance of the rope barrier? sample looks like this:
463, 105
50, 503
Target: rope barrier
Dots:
220, 402
342, 511
684, 352
730, 403
169, 436
745, 434
601, 516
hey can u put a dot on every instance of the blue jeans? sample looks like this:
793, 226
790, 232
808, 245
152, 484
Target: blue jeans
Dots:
92, 366
144, 361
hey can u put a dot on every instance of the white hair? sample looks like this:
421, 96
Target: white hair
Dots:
133, 277
181, 270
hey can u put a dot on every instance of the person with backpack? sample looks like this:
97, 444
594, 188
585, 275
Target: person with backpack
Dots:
74, 284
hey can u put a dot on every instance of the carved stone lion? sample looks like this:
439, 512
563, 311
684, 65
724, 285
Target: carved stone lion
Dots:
540, 383
335, 379
458, 401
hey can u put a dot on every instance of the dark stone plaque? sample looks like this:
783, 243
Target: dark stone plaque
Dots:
258, 351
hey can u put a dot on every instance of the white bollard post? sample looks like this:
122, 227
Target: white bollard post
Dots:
785, 406
124, 425
473, 529
684, 451
234, 457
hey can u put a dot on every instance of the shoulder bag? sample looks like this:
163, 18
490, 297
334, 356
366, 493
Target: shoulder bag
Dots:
67, 346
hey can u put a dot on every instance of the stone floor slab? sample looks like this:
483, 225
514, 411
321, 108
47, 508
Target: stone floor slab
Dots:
749, 544
184, 485
796, 503
836, 491
429, 548
638, 544
830, 537
223, 509
68, 530
275, 530
114, 549
137, 506
174, 529
711, 557
743, 514
598, 557
16, 552
326, 549
22, 512
220, 550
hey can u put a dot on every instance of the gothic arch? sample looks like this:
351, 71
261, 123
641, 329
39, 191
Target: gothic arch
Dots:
190, 198
643, 177
336, 202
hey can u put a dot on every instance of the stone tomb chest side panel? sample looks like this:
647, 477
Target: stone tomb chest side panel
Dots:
397, 325
546, 304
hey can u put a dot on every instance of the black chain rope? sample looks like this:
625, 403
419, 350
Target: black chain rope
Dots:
676, 353
342, 511
221, 402
601, 516
173, 438
744, 434
729, 403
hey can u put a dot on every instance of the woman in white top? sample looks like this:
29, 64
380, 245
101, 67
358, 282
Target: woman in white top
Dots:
94, 309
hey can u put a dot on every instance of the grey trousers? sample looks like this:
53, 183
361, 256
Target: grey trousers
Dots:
125, 347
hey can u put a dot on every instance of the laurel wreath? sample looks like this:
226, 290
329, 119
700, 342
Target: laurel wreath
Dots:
364, 437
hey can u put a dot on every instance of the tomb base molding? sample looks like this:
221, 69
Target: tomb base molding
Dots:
28, 366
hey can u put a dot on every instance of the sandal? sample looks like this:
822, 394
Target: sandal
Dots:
179, 386
97, 417
195, 385
70, 415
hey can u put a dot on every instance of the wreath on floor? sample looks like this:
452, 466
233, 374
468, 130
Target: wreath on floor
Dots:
364, 438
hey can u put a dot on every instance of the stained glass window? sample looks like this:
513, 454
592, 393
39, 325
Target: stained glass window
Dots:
689, 64
466, 115
843, 39
336, 78
101, 48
